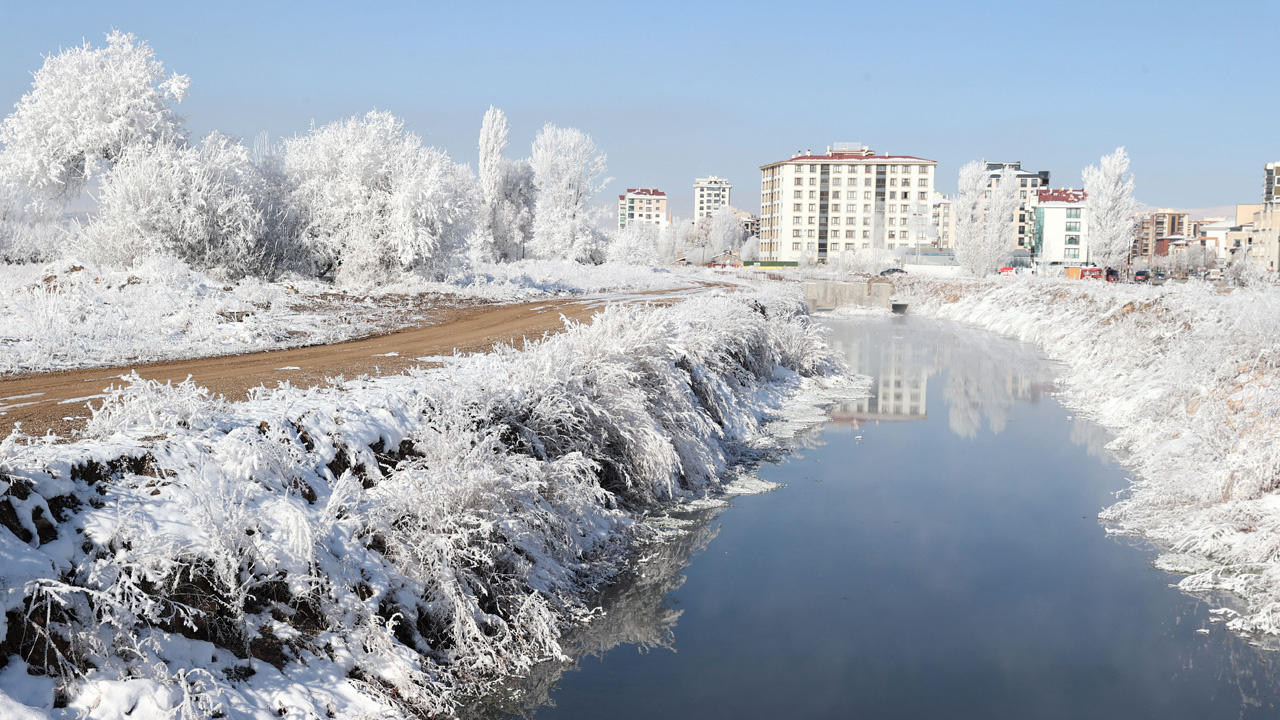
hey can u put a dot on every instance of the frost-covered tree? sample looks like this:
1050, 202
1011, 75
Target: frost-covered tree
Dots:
568, 171
751, 248
27, 236
507, 196
209, 205
634, 245
985, 234
375, 203
87, 108
1109, 187
725, 233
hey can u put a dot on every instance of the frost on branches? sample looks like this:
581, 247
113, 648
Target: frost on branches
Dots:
507, 196
384, 547
568, 172
87, 107
1109, 190
375, 203
985, 234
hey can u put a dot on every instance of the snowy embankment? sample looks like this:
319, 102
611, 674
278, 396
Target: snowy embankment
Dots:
69, 315
380, 547
1188, 378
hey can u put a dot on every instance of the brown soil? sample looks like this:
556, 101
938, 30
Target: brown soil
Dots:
59, 401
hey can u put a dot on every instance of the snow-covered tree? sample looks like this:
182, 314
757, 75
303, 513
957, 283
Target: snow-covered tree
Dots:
568, 172
507, 196
726, 233
87, 108
375, 203
751, 248
210, 205
1109, 187
985, 233
634, 245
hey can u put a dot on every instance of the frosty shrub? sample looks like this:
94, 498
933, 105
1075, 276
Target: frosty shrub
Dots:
27, 236
635, 245
204, 204
374, 203
568, 172
88, 107
382, 546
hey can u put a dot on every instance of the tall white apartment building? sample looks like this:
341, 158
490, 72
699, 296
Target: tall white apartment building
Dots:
816, 206
643, 206
710, 194
1061, 227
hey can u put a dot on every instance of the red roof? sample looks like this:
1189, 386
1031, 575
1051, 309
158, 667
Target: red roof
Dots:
1060, 195
643, 191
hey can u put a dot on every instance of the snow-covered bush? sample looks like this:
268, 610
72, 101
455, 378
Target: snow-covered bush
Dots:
634, 245
87, 108
385, 544
374, 203
26, 236
204, 204
567, 170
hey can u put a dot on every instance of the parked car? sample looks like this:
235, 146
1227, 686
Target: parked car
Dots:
1142, 276
1113, 275
892, 271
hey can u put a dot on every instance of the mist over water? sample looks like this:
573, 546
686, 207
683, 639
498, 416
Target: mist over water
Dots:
935, 552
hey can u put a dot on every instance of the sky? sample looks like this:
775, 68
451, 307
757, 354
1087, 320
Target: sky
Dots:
674, 91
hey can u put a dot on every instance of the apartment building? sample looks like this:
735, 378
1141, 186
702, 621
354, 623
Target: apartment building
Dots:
1060, 229
1029, 184
1155, 226
1265, 250
643, 206
709, 195
943, 228
815, 206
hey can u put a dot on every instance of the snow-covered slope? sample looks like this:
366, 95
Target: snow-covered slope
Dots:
380, 547
1188, 377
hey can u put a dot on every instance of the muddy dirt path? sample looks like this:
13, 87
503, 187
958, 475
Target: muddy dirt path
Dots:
60, 401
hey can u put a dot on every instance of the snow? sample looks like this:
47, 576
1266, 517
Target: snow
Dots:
1187, 376
387, 546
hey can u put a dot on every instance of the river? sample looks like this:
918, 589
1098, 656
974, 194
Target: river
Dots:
934, 552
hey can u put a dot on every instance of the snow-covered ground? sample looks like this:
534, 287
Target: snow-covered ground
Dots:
1187, 375
383, 547
67, 314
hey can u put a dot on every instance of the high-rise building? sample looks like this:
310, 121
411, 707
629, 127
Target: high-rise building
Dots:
642, 206
943, 228
710, 194
1265, 248
1158, 225
1029, 184
815, 206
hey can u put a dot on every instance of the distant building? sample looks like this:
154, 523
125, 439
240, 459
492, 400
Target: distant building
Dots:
943, 229
1155, 226
710, 194
1060, 232
1212, 233
750, 223
1266, 223
816, 206
643, 206
1029, 184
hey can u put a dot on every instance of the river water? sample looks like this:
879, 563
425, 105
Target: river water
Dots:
934, 552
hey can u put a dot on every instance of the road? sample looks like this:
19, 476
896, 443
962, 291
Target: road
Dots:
59, 401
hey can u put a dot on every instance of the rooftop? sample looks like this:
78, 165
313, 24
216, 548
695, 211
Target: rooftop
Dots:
647, 192
1062, 195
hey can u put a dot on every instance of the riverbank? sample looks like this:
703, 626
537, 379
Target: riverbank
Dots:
382, 545
1188, 378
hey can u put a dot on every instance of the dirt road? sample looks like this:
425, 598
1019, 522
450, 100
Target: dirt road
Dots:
59, 401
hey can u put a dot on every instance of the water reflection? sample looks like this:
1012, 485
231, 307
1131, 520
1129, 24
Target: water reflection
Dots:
935, 555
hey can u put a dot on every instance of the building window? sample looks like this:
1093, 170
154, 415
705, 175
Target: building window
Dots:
813, 181
922, 196
1071, 253
923, 182
1073, 212
835, 221
836, 182
1073, 239
799, 181
1073, 226
813, 168
813, 194
799, 194
795, 246
795, 221
865, 234
835, 207
813, 220
835, 194
848, 234
795, 233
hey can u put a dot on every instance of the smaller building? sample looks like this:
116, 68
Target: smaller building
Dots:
643, 206
1061, 227
750, 223
709, 195
1157, 225
943, 230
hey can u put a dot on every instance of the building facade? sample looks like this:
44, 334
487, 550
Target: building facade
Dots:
943, 228
1060, 229
815, 206
1158, 225
643, 206
1265, 251
709, 195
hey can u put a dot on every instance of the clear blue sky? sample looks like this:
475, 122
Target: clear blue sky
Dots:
671, 91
